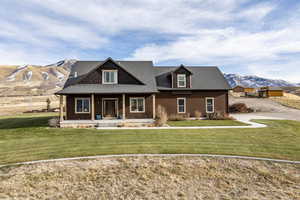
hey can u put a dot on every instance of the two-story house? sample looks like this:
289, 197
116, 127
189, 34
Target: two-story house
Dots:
111, 89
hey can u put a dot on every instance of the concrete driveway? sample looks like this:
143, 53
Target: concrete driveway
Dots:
267, 108
267, 115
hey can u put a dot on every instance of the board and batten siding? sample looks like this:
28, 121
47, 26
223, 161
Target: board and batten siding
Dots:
195, 101
71, 115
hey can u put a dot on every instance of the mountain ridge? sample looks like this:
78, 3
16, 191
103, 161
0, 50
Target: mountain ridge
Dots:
43, 80
256, 81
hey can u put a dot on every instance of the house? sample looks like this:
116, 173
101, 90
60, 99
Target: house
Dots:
239, 88
270, 92
113, 89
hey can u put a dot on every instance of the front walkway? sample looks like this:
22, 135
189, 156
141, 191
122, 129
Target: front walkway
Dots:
151, 155
113, 124
245, 118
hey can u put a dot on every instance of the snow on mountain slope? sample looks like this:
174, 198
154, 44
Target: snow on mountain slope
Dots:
27, 75
45, 75
12, 76
255, 81
22, 80
32, 79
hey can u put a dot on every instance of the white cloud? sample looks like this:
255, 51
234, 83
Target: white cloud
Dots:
174, 16
256, 12
287, 70
208, 45
69, 32
212, 32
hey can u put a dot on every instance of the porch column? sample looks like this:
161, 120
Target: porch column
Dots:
123, 106
61, 108
153, 106
93, 107
65, 107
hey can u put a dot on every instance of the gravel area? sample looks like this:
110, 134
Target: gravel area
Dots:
268, 108
152, 178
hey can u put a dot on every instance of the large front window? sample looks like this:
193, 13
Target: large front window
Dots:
82, 105
109, 76
181, 80
210, 105
181, 105
137, 104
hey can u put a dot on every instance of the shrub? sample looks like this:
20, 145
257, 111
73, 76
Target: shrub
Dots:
239, 108
219, 116
198, 114
53, 122
161, 116
48, 101
175, 117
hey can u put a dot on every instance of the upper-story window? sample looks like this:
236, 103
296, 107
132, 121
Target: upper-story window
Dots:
109, 76
181, 80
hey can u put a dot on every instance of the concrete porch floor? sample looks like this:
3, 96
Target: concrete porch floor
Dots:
102, 123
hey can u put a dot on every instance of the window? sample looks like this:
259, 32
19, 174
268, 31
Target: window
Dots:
210, 105
181, 105
181, 80
82, 105
137, 104
109, 76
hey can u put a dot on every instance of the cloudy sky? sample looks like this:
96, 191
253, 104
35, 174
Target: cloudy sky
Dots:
254, 37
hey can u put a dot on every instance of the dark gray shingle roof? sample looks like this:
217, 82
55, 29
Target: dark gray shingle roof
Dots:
203, 78
142, 70
154, 78
105, 89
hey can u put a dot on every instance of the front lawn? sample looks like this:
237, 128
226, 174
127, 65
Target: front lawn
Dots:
27, 138
206, 123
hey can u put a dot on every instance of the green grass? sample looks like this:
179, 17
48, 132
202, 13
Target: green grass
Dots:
206, 123
27, 138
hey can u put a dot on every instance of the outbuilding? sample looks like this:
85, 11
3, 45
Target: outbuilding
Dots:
240, 88
271, 92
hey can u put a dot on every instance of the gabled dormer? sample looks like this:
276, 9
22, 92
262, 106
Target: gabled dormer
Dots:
181, 77
110, 72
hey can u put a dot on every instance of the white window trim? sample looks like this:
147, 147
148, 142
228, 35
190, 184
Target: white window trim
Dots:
213, 104
184, 105
181, 75
82, 98
132, 111
116, 77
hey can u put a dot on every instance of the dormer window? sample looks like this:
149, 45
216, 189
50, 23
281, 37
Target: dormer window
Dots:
181, 80
109, 76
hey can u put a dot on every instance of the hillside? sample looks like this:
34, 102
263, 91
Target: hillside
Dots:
256, 81
44, 80
32, 79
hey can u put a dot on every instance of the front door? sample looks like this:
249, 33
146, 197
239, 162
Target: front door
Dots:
110, 108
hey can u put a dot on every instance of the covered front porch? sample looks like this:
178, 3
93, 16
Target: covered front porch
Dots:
101, 109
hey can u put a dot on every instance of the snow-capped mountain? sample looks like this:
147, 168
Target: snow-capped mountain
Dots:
33, 79
255, 81
40, 80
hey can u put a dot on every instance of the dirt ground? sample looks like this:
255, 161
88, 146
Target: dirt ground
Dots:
20, 104
268, 107
152, 178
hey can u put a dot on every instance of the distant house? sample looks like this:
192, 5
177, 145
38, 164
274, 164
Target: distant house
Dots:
270, 92
112, 89
239, 88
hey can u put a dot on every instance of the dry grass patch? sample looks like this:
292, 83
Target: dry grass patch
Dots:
152, 178
289, 100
